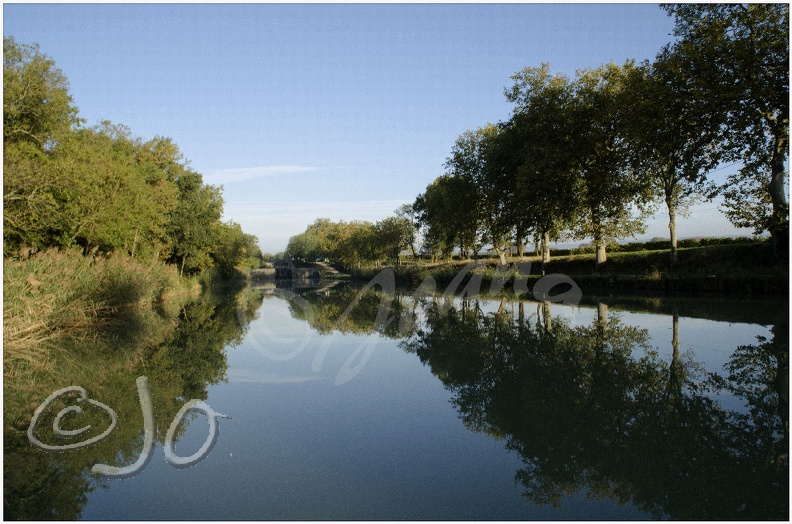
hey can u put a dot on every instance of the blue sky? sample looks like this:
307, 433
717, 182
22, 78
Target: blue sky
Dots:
344, 111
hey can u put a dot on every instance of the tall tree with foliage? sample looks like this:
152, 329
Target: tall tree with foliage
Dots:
37, 106
737, 56
37, 110
486, 208
393, 234
409, 213
230, 248
194, 222
449, 209
671, 134
99, 188
609, 189
537, 150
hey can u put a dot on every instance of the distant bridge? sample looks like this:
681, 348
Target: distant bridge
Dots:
286, 272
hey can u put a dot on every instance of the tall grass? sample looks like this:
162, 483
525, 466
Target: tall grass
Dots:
60, 293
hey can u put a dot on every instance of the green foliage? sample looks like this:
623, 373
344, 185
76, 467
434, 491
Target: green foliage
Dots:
351, 244
672, 135
37, 107
478, 192
608, 189
409, 213
749, 45
746, 202
536, 150
101, 187
254, 257
229, 248
587, 158
304, 246
194, 223
451, 212
393, 234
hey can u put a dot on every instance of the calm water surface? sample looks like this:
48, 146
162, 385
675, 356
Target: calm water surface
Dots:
456, 409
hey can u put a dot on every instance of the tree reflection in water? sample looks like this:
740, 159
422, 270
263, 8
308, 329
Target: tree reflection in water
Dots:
594, 408
588, 408
39, 485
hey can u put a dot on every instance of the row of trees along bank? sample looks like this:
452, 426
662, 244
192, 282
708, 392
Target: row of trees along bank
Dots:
352, 244
590, 156
99, 187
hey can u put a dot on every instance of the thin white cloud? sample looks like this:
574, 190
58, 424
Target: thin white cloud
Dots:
224, 176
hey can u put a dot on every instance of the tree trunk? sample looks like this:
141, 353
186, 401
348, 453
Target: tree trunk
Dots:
602, 323
501, 256
779, 230
602, 256
545, 250
674, 388
602, 313
673, 232
546, 317
599, 244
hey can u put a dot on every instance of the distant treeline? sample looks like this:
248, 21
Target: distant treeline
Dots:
592, 156
100, 188
352, 244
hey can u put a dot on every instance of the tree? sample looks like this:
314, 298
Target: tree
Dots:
483, 203
101, 187
393, 234
409, 213
304, 246
608, 189
229, 248
255, 258
89, 189
364, 243
37, 106
746, 201
193, 223
671, 134
29, 206
536, 148
449, 211
737, 57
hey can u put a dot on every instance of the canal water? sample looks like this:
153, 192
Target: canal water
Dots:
441, 407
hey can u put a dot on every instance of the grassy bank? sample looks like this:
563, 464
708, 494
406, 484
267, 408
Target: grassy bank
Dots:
737, 268
57, 295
